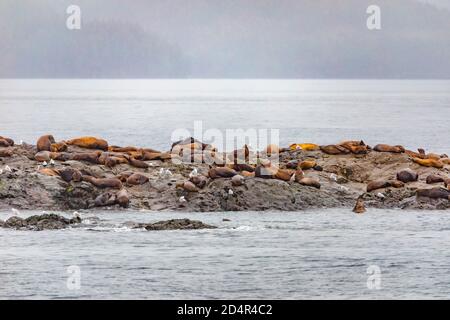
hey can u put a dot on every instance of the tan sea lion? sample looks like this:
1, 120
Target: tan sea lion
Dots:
104, 182
445, 161
299, 175
122, 198
284, 174
247, 174
307, 164
407, 175
429, 163
243, 167
60, 156
44, 143
355, 147
122, 149
334, 150
388, 148
48, 172
137, 179
310, 182
89, 143
413, 154
237, 180
42, 156
6, 142
156, 156
123, 176
221, 172
304, 147
58, 147
432, 178
188, 186
137, 163
378, 184
265, 172
359, 206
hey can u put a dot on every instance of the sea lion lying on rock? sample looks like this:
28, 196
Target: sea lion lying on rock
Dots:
137, 179
58, 147
307, 164
44, 143
199, 180
429, 163
221, 172
310, 182
123, 198
6, 153
70, 174
104, 182
89, 143
355, 147
407, 175
42, 156
284, 174
188, 186
435, 193
91, 157
388, 148
136, 163
334, 149
304, 147
380, 184
39, 222
6, 142
109, 199
432, 178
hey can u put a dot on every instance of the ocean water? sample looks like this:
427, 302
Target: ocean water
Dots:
290, 255
146, 112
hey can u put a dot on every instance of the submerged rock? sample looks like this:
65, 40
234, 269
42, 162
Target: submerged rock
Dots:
174, 224
39, 222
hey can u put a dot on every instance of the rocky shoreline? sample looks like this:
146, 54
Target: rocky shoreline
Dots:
87, 173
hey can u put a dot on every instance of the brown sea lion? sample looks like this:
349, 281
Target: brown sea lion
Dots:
378, 184
91, 157
407, 175
293, 164
199, 180
44, 143
123, 176
156, 156
58, 147
304, 147
434, 193
310, 182
6, 142
396, 183
334, 150
359, 206
299, 175
243, 167
70, 174
137, 163
307, 164
60, 156
221, 172
42, 156
272, 149
445, 161
355, 147
122, 149
188, 186
6, 153
247, 174
104, 182
413, 154
265, 172
388, 148
89, 143
433, 156
432, 178
429, 163
137, 179
122, 198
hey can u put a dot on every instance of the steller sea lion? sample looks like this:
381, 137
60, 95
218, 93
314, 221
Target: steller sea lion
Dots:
434, 193
247, 174
334, 149
123, 176
272, 149
265, 172
293, 164
188, 186
122, 198
243, 167
355, 147
91, 157
299, 175
407, 175
432, 178
359, 206
307, 164
388, 148
378, 184
42, 156
44, 143
156, 156
284, 174
413, 154
237, 180
122, 149
104, 182
60, 156
58, 147
70, 174
221, 172
6, 142
304, 147
429, 163
310, 182
445, 161
49, 172
199, 180
6, 153
105, 199
137, 179
89, 143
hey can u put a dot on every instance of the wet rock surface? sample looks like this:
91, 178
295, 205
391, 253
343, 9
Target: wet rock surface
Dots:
123, 177
39, 222
173, 224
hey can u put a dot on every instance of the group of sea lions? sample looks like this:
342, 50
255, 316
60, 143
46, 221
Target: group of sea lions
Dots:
238, 165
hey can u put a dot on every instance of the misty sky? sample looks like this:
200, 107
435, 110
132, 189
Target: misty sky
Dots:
225, 39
